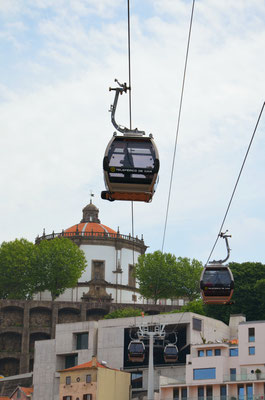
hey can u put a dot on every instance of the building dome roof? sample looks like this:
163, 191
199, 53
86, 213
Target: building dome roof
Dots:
90, 207
91, 231
90, 223
89, 227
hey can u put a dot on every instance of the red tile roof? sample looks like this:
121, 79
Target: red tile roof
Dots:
89, 227
88, 364
27, 391
4, 398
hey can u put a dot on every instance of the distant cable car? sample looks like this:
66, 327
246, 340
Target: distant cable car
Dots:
131, 162
136, 351
217, 282
170, 353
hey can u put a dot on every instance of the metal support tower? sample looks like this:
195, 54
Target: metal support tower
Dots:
151, 332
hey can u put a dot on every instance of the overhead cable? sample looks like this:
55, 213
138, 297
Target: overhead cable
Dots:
235, 187
129, 61
178, 123
130, 98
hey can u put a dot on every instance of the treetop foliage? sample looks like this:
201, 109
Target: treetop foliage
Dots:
195, 306
124, 313
17, 260
26, 268
163, 276
60, 263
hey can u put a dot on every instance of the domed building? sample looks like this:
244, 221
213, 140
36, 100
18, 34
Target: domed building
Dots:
110, 261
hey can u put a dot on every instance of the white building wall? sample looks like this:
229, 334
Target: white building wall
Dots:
109, 255
195, 362
127, 258
258, 343
101, 253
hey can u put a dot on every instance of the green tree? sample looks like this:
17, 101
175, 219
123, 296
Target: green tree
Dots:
59, 265
26, 269
16, 269
155, 274
124, 313
162, 276
188, 277
195, 306
248, 294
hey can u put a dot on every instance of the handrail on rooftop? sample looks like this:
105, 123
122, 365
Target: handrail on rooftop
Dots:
91, 234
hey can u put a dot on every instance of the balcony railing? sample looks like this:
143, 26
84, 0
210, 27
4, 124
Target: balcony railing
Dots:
243, 377
254, 397
90, 235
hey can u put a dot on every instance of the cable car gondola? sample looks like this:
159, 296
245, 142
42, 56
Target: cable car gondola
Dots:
136, 351
130, 168
170, 353
131, 162
217, 282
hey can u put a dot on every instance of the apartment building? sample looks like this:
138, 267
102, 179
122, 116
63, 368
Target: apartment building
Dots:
223, 369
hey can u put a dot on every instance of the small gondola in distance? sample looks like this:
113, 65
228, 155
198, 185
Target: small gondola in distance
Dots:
130, 165
216, 284
136, 351
170, 353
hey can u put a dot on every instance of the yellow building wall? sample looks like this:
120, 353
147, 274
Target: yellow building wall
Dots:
113, 385
78, 386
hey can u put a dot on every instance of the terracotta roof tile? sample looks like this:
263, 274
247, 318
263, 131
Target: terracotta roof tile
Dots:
89, 227
88, 364
27, 391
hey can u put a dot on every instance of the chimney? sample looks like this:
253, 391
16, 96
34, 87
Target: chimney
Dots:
234, 321
94, 361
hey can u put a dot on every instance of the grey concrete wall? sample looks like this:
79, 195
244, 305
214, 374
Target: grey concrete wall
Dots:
106, 341
44, 370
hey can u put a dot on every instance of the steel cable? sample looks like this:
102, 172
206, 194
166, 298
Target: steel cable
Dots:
235, 187
178, 123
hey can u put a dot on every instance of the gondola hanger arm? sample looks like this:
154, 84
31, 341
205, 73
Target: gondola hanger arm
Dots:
225, 237
122, 88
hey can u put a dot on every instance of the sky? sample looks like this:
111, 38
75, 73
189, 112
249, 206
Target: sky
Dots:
58, 60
